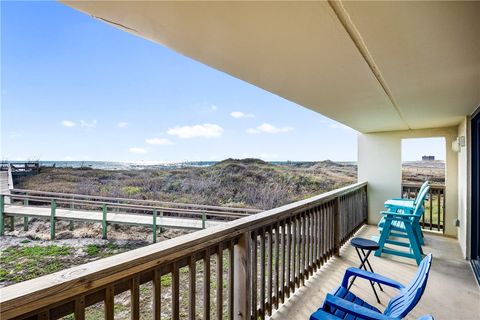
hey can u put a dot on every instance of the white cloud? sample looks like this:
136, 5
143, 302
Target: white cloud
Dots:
268, 128
206, 130
137, 150
213, 107
68, 123
86, 124
240, 115
122, 124
159, 141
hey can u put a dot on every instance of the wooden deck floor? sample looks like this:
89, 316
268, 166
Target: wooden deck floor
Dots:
452, 292
112, 217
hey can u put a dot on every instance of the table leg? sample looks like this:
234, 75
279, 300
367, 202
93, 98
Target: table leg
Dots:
371, 269
362, 265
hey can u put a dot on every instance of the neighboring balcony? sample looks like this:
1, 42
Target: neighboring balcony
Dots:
280, 262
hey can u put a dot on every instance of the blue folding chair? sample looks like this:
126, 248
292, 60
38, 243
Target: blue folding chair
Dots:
343, 304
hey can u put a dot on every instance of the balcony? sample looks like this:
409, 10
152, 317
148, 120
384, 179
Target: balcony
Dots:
452, 292
277, 263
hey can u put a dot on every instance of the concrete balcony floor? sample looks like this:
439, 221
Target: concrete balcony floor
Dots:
452, 291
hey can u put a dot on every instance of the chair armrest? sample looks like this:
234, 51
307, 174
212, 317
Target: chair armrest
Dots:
322, 315
354, 309
375, 277
403, 199
401, 216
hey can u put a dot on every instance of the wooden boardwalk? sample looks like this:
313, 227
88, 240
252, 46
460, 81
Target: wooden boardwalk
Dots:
111, 217
158, 215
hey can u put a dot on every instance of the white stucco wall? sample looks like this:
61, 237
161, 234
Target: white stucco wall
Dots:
463, 189
380, 163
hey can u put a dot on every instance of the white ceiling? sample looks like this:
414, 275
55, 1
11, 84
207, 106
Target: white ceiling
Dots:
374, 66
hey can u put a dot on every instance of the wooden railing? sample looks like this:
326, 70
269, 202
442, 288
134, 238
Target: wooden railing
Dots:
243, 269
434, 216
20, 166
78, 200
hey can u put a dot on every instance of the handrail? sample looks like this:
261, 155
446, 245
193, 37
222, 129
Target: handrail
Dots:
100, 198
434, 215
339, 212
99, 204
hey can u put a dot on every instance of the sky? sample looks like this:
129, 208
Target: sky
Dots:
74, 88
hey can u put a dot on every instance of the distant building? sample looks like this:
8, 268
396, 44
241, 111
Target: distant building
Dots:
428, 158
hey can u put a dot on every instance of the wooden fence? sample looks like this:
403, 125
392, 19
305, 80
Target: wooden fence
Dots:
242, 269
434, 216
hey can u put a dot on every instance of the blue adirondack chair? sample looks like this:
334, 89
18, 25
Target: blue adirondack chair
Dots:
397, 226
345, 305
417, 210
404, 203
320, 314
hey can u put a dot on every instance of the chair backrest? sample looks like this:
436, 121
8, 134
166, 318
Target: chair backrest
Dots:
418, 209
424, 185
402, 304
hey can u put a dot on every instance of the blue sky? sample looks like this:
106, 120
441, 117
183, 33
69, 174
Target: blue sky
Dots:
74, 88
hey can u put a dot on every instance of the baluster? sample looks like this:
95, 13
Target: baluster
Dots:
262, 273
277, 265
231, 279
135, 297
294, 252
283, 227
157, 295
254, 274
438, 209
220, 282
176, 291
192, 285
270, 271
303, 233
109, 302
430, 200
206, 285
289, 257
80, 308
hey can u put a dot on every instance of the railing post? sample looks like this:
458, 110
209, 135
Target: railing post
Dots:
161, 216
53, 208
2, 215
241, 278
25, 219
336, 227
154, 226
204, 219
72, 206
104, 221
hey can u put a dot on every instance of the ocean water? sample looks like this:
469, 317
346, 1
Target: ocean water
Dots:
111, 165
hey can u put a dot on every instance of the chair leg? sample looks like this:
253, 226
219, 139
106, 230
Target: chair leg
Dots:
383, 237
414, 245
